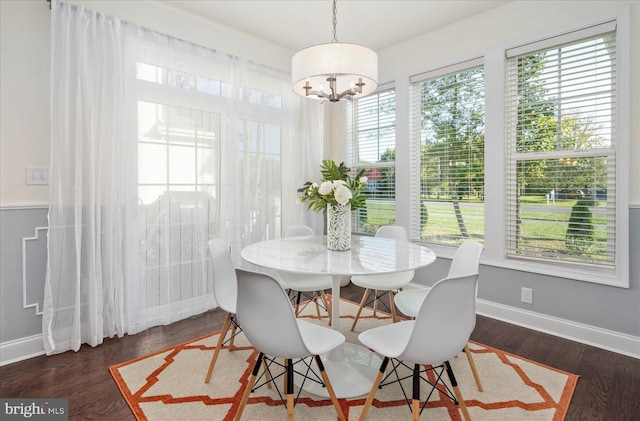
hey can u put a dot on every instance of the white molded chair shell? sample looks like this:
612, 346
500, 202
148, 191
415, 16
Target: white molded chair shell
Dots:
224, 275
225, 291
304, 282
465, 261
409, 301
298, 281
441, 329
298, 231
386, 282
268, 320
271, 327
395, 232
391, 281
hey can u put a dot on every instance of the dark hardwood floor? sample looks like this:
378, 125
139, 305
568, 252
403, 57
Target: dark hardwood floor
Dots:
608, 388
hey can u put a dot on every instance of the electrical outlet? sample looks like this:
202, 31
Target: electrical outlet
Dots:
37, 176
526, 295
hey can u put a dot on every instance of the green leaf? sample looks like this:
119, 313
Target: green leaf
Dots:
331, 171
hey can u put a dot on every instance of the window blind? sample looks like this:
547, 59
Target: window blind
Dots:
371, 123
561, 148
447, 154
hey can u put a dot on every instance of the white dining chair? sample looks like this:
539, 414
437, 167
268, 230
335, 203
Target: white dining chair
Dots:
311, 286
225, 293
388, 283
441, 329
270, 325
465, 261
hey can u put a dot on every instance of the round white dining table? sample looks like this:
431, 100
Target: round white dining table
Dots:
351, 367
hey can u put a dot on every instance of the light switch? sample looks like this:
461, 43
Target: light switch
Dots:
37, 176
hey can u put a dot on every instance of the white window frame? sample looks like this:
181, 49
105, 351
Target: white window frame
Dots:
496, 189
415, 153
352, 148
494, 253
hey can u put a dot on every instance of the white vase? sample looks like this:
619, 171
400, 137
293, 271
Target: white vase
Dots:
339, 227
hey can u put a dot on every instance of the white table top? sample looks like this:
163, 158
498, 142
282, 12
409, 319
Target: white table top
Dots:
309, 254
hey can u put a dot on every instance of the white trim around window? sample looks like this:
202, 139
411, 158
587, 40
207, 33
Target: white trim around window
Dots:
495, 252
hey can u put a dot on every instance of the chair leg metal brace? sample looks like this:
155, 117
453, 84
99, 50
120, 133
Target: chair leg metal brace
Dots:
376, 297
415, 403
316, 295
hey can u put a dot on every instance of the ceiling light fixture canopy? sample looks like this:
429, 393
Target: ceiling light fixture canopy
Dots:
335, 70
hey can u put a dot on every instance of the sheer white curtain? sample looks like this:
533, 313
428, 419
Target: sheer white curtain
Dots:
305, 152
201, 145
84, 288
212, 133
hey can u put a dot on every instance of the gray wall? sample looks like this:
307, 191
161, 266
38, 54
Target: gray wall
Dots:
16, 226
607, 307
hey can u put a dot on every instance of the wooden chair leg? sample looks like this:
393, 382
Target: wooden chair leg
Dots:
362, 303
472, 364
415, 403
375, 303
221, 336
463, 406
456, 391
326, 304
330, 390
415, 410
374, 389
250, 383
392, 306
289, 389
315, 300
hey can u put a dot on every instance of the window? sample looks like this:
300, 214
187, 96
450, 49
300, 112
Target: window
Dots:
178, 192
209, 165
447, 154
562, 149
259, 145
372, 147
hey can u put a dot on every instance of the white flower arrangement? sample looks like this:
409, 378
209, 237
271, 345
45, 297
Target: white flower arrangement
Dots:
336, 187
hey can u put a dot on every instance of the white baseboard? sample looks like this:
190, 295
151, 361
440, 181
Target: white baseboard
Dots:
610, 340
21, 349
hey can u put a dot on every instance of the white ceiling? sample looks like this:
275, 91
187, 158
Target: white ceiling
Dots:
296, 24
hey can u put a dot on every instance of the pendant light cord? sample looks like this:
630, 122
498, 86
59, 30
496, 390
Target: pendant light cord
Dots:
335, 20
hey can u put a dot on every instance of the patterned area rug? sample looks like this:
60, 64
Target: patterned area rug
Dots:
169, 385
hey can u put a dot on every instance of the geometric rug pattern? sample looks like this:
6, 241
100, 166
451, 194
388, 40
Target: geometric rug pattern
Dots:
169, 384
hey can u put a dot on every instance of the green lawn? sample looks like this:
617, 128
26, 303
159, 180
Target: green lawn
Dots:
543, 229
